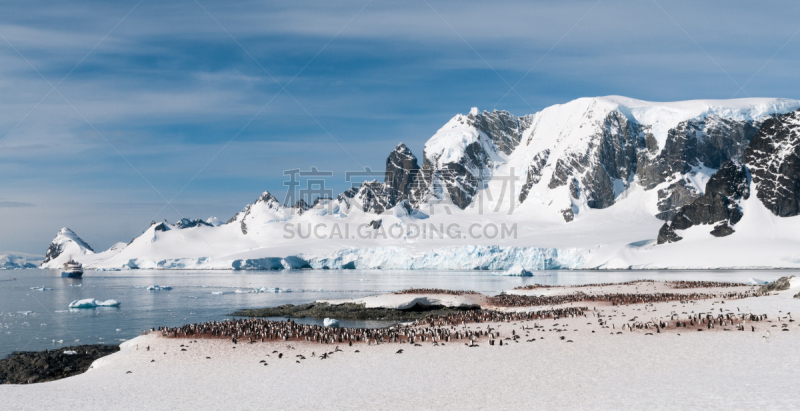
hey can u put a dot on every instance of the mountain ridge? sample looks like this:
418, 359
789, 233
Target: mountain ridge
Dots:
580, 165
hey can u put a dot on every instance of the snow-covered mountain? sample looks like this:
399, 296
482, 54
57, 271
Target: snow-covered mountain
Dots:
16, 261
606, 182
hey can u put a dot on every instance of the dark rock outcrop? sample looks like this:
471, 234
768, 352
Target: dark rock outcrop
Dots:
534, 174
773, 158
500, 132
36, 367
781, 284
708, 142
162, 226
401, 171
370, 196
675, 196
56, 247
608, 157
300, 206
351, 311
667, 234
568, 214
719, 204
722, 230
503, 128
188, 223
53, 251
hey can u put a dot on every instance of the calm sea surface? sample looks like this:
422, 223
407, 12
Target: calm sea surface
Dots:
34, 313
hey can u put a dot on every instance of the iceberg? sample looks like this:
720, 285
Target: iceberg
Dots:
108, 303
756, 281
516, 270
92, 303
159, 288
87, 303
330, 322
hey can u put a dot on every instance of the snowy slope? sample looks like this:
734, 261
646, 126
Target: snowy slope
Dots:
585, 184
15, 260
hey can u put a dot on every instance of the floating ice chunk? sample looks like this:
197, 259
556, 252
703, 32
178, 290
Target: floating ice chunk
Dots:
92, 303
216, 293
87, 303
330, 322
69, 352
119, 329
756, 281
41, 288
517, 270
159, 288
108, 303
243, 291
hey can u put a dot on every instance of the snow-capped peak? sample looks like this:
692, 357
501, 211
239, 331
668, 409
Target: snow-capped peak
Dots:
63, 247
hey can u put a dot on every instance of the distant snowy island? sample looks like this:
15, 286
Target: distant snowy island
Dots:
596, 183
19, 261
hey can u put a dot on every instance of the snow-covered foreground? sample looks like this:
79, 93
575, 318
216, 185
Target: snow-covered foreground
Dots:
683, 369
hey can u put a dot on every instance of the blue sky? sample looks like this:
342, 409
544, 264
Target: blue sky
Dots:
204, 103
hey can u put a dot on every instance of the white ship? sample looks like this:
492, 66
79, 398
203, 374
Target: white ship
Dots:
72, 269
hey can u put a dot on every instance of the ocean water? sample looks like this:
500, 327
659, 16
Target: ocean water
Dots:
34, 313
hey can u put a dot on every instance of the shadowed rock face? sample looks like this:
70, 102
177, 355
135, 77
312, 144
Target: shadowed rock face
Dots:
53, 252
773, 158
534, 174
457, 179
503, 128
707, 142
461, 180
300, 207
401, 171
675, 196
188, 223
609, 156
371, 196
56, 247
719, 204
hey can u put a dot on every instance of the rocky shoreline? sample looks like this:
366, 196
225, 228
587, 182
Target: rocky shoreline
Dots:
349, 311
50, 365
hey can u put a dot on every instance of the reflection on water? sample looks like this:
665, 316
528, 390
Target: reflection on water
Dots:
34, 313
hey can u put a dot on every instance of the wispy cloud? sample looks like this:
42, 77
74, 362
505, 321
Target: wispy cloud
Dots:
14, 204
